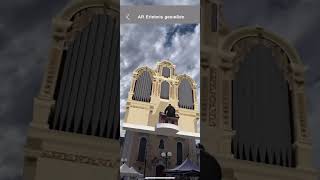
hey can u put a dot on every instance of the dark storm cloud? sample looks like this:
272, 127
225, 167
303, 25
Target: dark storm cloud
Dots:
25, 31
180, 29
22, 16
290, 19
296, 21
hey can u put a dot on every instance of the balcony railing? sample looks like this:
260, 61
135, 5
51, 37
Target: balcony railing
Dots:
163, 118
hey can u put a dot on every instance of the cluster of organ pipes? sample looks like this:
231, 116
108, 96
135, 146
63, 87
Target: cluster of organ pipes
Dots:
261, 112
261, 154
143, 90
89, 81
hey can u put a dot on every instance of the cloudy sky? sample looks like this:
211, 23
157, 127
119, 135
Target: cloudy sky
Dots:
25, 32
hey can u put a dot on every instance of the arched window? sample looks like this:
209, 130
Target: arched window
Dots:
143, 87
179, 153
166, 72
185, 95
161, 145
142, 149
262, 109
165, 86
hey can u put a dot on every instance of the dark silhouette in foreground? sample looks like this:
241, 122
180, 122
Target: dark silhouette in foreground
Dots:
209, 166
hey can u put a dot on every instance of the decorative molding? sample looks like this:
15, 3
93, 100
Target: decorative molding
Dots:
60, 29
141, 70
213, 97
302, 115
204, 63
77, 6
83, 18
204, 98
226, 93
139, 105
191, 81
80, 159
166, 63
244, 46
204, 89
49, 81
246, 32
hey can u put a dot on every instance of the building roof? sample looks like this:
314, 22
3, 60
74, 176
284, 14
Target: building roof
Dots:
186, 168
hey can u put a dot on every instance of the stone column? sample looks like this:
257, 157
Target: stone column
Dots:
302, 144
159, 87
153, 90
208, 124
195, 100
58, 45
44, 103
171, 91
175, 93
204, 90
225, 102
154, 83
133, 82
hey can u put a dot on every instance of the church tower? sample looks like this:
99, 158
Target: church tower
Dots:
149, 132
75, 128
253, 108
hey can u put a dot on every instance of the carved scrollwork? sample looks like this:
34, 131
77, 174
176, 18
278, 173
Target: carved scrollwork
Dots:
83, 18
244, 46
140, 71
204, 98
166, 63
226, 102
191, 81
204, 89
302, 115
213, 97
80, 159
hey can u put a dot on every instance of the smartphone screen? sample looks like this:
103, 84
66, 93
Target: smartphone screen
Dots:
159, 88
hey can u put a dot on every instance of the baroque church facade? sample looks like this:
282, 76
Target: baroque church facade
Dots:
253, 106
148, 131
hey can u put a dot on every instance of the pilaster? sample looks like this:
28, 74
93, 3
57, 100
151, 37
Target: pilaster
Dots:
41, 112
60, 28
302, 143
